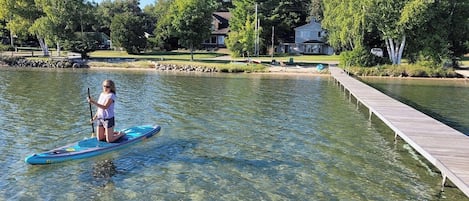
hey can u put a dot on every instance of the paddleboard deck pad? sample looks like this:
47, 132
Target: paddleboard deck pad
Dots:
92, 147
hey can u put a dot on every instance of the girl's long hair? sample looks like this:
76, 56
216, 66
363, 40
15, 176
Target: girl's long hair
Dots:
113, 86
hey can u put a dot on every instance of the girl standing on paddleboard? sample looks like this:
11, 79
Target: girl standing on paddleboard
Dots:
105, 113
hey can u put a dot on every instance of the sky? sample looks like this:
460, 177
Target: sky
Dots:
143, 3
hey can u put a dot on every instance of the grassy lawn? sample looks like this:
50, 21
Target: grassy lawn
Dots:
224, 66
205, 56
302, 58
154, 55
465, 60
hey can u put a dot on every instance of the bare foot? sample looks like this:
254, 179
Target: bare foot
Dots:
119, 134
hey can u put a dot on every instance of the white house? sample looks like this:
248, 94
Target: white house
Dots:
309, 39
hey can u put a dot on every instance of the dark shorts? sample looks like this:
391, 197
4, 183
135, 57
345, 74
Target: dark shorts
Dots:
106, 123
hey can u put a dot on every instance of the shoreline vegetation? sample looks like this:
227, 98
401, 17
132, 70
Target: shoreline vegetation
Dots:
213, 62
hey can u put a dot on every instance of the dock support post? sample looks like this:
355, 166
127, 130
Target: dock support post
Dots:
443, 182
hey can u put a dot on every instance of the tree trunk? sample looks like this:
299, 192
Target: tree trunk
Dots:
388, 48
42, 43
395, 49
192, 52
401, 50
58, 49
392, 54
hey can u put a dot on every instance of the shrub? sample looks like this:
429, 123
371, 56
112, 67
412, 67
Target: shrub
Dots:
360, 57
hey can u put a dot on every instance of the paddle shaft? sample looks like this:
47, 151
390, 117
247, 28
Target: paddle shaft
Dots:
91, 113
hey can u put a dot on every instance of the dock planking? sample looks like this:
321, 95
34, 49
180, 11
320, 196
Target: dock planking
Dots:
446, 148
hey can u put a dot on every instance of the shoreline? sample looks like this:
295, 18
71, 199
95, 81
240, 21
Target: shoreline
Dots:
271, 70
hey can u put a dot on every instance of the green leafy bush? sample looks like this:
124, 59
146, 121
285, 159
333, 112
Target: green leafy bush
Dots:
360, 57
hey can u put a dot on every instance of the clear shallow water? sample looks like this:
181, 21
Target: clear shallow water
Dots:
224, 137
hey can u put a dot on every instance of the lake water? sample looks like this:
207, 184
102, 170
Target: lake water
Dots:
224, 137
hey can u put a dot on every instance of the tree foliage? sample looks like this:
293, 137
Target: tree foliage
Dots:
107, 9
241, 36
127, 31
188, 20
434, 31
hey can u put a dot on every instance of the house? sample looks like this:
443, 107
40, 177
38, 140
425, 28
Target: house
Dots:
309, 39
220, 29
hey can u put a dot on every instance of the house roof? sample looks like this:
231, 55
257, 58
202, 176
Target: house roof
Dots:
222, 15
223, 20
311, 25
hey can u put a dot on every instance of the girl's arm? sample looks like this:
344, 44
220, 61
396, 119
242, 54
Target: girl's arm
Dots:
104, 106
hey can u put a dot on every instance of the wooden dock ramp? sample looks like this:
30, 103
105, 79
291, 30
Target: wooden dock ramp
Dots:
446, 148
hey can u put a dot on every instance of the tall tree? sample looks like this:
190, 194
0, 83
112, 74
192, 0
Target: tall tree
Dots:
395, 19
316, 10
346, 22
191, 21
107, 9
162, 30
20, 16
61, 20
241, 36
127, 31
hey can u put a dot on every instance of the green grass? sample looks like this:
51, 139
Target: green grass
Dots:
404, 70
223, 66
153, 55
302, 58
134, 64
465, 60
206, 56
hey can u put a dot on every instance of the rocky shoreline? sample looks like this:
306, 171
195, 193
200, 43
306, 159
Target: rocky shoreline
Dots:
151, 65
186, 68
49, 63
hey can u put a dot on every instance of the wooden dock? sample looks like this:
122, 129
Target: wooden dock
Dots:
446, 148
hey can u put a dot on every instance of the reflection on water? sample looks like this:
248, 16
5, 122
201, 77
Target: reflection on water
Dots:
223, 137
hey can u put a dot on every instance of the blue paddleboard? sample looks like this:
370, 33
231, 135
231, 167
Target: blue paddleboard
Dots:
92, 147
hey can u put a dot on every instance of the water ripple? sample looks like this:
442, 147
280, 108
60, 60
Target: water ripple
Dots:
224, 137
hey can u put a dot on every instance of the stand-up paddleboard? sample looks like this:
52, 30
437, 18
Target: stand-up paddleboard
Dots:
92, 147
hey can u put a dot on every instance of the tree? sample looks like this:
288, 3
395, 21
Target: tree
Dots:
317, 10
429, 30
394, 18
241, 36
443, 33
127, 31
162, 29
346, 23
20, 16
191, 21
284, 15
241, 42
61, 20
107, 9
